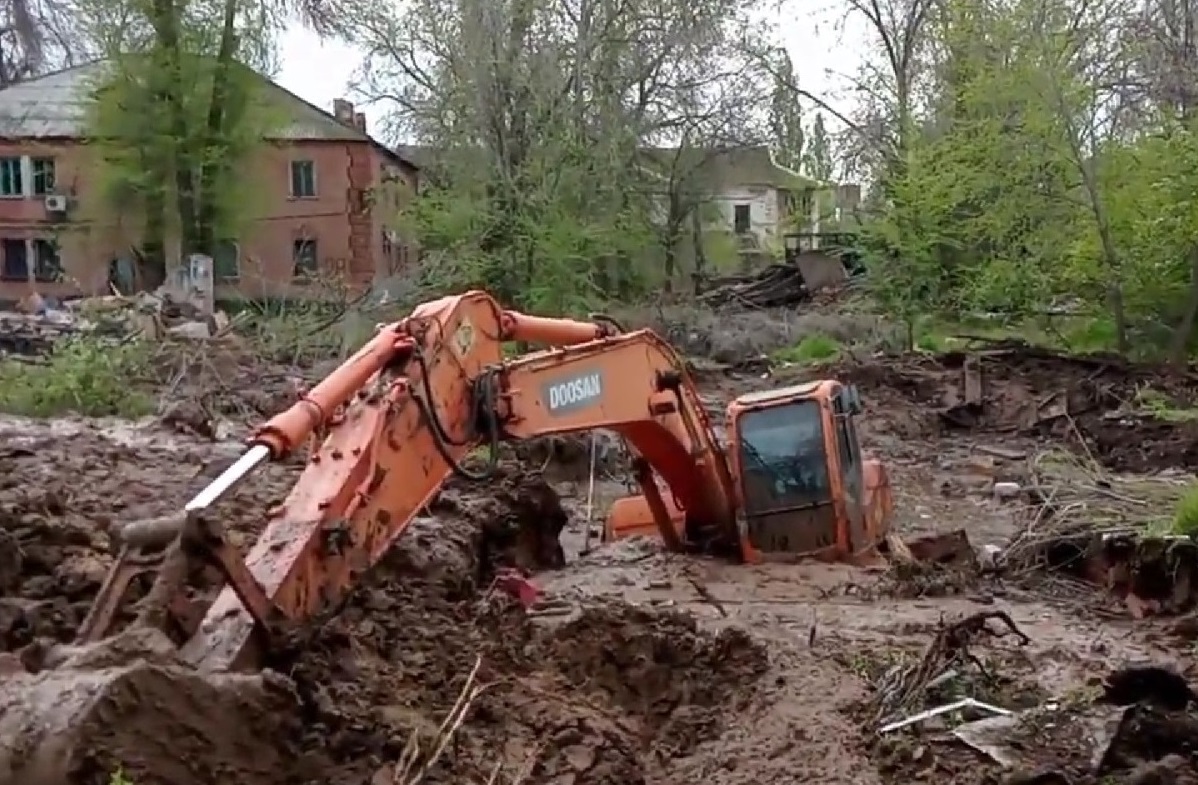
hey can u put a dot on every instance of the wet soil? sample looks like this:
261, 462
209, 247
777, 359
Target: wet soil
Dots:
592, 699
644, 668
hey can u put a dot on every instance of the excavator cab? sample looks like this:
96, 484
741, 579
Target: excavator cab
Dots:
805, 487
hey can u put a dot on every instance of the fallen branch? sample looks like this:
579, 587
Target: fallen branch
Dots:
775, 285
409, 770
902, 688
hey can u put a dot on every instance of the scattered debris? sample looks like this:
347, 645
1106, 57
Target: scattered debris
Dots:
1085, 525
1093, 403
1018, 741
1139, 725
772, 286
936, 565
948, 708
903, 688
41, 323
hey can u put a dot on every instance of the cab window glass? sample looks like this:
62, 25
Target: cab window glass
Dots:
782, 458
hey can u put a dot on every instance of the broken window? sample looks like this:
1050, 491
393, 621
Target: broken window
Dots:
741, 218
226, 265
47, 261
303, 255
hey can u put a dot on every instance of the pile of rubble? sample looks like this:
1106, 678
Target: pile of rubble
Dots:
39, 322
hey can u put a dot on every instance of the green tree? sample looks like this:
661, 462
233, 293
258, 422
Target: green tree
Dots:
786, 115
1028, 177
179, 111
546, 121
817, 157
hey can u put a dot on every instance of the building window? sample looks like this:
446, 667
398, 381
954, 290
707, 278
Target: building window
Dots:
43, 176
226, 262
303, 254
741, 218
11, 181
47, 262
303, 179
806, 206
16, 260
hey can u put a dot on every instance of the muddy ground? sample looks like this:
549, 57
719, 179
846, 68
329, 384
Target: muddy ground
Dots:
646, 667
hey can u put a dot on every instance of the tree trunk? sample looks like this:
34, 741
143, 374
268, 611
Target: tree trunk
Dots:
170, 92
1179, 346
214, 166
700, 251
1114, 285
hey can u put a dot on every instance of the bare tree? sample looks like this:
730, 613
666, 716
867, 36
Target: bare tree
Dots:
543, 109
36, 35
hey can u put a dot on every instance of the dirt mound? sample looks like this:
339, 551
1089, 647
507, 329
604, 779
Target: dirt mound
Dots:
519, 520
1151, 575
591, 698
364, 687
1132, 417
658, 666
127, 705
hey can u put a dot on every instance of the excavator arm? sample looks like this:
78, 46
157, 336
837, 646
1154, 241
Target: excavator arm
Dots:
401, 415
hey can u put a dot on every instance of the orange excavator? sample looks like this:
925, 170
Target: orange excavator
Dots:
402, 415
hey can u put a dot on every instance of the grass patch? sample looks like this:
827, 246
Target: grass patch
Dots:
814, 348
1160, 406
1185, 514
82, 376
933, 343
1076, 334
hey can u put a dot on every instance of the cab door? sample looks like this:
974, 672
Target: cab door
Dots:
786, 478
852, 474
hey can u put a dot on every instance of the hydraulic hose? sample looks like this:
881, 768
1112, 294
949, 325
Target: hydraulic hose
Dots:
484, 409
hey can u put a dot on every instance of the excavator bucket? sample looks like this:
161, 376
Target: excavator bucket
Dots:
72, 714
127, 703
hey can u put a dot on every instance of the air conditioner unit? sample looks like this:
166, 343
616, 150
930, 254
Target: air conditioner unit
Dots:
56, 203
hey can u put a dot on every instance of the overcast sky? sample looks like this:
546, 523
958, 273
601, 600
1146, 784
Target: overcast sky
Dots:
813, 31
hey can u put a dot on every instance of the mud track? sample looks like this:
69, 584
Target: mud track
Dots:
591, 698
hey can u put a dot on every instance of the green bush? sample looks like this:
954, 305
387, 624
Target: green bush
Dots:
82, 376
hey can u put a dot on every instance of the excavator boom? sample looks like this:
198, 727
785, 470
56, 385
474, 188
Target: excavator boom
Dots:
400, 416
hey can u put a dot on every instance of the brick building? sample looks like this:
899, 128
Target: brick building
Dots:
324, 192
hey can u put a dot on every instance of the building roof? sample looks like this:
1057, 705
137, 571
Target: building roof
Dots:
55, 106
422, 155
730, 167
